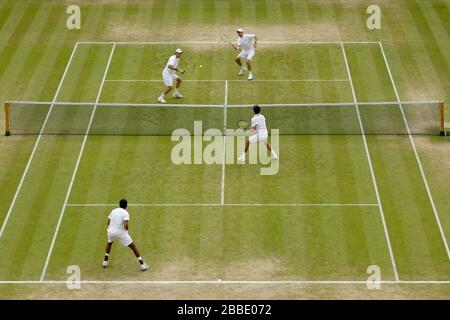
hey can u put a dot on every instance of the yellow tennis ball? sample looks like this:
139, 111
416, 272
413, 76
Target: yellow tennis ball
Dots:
201, 66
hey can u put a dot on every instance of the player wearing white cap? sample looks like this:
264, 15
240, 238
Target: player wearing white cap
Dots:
169, 75
247, 44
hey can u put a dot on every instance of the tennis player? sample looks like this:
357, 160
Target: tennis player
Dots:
261, 134
247, 44
169, 76
118, 231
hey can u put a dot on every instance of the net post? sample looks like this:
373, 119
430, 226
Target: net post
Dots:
7, 119
442, 115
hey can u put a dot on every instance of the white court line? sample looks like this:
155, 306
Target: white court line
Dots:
419, 163
55, 235
222, 43
372, 172
226, 205
222, 190
36, 144
221, 282
232, 80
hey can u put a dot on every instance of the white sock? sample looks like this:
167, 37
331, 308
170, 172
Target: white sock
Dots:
273, 153
162, 95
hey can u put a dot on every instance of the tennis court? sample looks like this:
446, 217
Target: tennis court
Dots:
338, 204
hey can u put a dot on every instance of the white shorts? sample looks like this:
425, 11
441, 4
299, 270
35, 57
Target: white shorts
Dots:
258, 138
122, 237
247, 55
169, 78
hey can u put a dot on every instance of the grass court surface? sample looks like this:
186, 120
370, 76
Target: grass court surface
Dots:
338, 204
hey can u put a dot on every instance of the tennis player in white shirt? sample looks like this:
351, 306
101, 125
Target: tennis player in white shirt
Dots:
247, 44
261, 134
118, 231
169, 76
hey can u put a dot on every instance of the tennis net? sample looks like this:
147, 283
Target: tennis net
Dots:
372, 118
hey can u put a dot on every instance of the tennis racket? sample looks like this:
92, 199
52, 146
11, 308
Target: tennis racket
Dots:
242, 124
191, 67
225, 38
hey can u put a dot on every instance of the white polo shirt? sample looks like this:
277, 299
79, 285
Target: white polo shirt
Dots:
173, 61
246, 42
117, 217
259, 122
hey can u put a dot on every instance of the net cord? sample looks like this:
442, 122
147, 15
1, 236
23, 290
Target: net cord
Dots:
325, 104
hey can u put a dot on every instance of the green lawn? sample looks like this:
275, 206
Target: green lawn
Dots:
318, 218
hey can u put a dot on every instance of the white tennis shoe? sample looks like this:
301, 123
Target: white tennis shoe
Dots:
105, 264
242, 157
177, 95
250, 76
242, 71
161, 99
144, 267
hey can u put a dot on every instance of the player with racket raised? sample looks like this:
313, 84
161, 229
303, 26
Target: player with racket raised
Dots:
258, 126
247, 44
169, 76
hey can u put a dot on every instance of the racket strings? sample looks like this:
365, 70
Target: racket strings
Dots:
225, 38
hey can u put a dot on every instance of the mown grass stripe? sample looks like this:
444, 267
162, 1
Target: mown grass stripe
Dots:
437, 29
442, 11
261, 9
14, 151
37, 210
5, 12
438, 59
287, 11
61, 55
38, 228
24, 63
416, 75
21, 28
11, 24
26, 230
